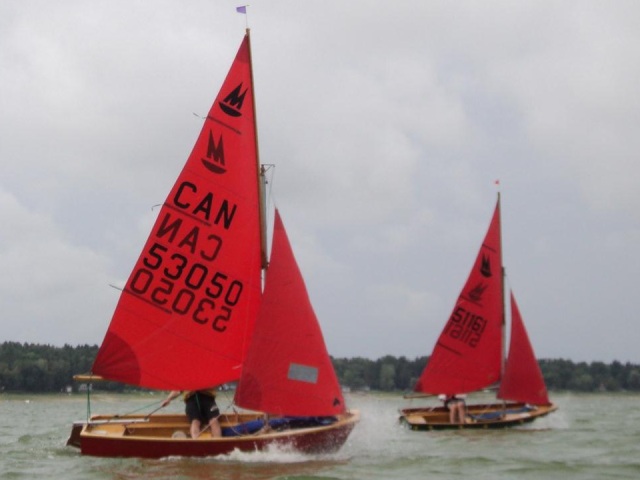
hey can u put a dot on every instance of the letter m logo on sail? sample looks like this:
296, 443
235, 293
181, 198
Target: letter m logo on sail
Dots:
232, 103
214, 159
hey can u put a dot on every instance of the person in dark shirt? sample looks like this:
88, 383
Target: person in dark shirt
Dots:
201, 408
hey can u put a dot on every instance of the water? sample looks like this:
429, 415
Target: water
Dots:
594, 436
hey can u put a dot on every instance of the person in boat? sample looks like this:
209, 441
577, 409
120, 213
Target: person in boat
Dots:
456, 406
201, 408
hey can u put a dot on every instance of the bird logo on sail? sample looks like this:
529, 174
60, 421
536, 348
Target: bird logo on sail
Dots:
485, 267
214, 159
232, 103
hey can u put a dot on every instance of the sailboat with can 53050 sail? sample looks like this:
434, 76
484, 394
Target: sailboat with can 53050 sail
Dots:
193, 314
469, 354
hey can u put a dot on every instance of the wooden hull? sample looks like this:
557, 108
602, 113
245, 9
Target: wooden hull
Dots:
494, 415
167, 435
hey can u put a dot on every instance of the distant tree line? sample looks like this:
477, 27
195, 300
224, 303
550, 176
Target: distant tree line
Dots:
391, 373
28, 367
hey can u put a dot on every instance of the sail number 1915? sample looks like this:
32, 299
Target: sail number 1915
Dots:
186, 288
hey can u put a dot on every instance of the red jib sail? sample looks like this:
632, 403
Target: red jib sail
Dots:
467, 355
522, 380
288, 370
188, 308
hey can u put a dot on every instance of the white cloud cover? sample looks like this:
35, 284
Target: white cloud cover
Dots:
388, 123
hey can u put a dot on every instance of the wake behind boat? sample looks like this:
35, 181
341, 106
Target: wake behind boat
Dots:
193, 314
469, 357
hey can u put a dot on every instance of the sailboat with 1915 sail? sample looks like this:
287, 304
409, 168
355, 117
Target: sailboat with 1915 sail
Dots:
469, 355
193, 314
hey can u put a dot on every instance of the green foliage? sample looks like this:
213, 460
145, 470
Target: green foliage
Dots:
392, 374
28, 367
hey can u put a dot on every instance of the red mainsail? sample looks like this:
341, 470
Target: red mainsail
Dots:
467, 355
189, 306
522, 380
288, 370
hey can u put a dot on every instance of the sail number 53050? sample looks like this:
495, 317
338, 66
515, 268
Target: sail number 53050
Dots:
202, 292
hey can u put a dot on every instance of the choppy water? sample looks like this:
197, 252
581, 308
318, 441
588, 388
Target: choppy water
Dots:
595, 436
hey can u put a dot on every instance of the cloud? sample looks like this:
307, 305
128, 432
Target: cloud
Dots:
388, 124
51, 289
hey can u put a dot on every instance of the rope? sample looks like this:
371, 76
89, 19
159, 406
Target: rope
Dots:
145, 407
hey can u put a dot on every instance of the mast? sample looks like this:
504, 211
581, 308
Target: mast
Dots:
261, 177
503, 351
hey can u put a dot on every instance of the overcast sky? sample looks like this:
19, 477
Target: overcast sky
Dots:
388, 123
